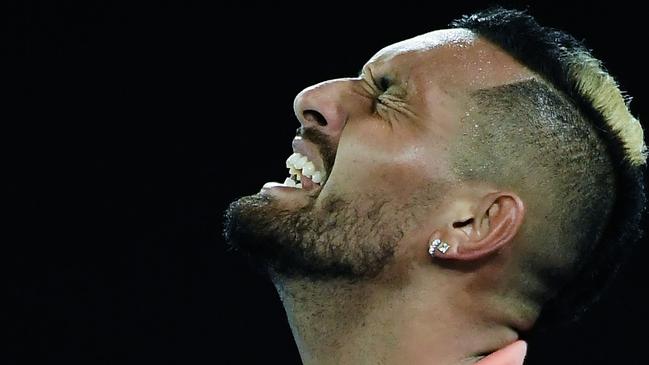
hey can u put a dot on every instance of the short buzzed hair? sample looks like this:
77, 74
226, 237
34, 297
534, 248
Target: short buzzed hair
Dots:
569, 139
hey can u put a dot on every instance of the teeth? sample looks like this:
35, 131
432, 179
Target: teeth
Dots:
299, 163
317, 177
308, 169
291, 159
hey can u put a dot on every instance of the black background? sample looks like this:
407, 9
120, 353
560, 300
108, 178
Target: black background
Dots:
129, 128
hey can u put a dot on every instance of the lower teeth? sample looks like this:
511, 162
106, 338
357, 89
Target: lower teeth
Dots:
294, 182
291, 183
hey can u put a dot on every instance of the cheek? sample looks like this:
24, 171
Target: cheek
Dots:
380, 161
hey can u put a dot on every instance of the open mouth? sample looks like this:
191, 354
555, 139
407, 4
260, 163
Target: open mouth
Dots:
303, 173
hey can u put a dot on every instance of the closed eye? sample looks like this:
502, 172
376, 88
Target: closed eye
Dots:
384, 84
381, 84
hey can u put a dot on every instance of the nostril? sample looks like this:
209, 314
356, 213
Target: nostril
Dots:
315, 116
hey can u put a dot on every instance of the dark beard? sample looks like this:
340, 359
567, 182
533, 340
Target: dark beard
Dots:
337, 241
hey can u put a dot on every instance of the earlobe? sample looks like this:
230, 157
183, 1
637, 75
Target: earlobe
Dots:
495, 223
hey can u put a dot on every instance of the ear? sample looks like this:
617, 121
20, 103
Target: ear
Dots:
481, 229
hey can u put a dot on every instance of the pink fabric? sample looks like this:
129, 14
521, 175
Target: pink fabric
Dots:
513, 354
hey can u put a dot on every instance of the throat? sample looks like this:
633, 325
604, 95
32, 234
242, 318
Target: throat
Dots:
329, 319
341, 322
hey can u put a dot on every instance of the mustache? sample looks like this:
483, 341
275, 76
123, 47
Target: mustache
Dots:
325, 143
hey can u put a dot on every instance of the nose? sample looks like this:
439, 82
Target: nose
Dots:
324, 106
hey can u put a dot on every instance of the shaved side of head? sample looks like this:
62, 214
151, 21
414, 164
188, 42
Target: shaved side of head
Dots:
528, 137
569, 144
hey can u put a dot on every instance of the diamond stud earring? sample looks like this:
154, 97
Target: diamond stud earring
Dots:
433, 247
437, 245
443, 247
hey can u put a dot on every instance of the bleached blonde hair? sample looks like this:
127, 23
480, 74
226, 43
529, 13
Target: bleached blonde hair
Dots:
595, 84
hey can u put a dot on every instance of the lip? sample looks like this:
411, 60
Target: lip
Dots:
312, 190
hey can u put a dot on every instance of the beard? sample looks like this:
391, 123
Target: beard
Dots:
343, 239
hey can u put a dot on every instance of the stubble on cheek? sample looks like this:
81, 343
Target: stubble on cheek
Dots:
341, 239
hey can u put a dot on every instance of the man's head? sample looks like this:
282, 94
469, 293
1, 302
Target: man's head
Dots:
513, 155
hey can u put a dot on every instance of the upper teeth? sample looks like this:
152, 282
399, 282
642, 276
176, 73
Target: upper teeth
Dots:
299, 165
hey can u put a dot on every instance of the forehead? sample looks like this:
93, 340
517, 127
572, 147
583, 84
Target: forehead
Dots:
452, 57
427, 41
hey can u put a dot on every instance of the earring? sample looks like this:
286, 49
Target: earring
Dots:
438, 245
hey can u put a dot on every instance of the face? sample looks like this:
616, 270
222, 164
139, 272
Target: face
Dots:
371, 168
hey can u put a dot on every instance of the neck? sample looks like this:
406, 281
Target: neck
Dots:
387, 322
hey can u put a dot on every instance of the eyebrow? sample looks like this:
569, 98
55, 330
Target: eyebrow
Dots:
366, 70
